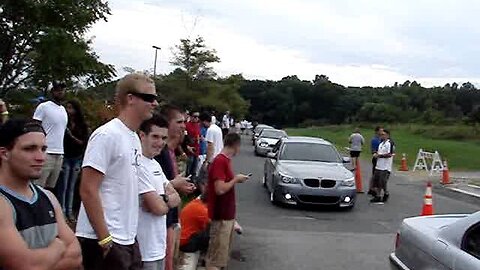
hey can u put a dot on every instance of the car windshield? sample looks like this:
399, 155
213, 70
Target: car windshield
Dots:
272, 134
310, 152
259, 129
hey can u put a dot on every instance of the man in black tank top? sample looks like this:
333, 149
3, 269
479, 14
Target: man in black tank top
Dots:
33, 231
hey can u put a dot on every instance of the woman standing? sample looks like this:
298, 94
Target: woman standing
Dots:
75, 142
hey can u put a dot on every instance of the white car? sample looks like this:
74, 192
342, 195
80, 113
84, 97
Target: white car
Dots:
438, 242
267, 139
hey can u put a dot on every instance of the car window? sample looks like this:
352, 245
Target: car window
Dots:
471, 241
310, 152
272, 134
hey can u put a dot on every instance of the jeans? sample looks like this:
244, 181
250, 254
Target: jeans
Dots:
70, 171
192, 166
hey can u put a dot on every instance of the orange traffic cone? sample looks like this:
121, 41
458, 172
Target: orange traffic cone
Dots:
428, 201
358, 178
404, 166
445, 174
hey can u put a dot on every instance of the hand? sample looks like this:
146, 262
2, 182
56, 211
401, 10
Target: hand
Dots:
241, 178
58, 244
183, 185
106, 249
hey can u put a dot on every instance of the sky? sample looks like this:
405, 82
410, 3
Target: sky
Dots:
353, 42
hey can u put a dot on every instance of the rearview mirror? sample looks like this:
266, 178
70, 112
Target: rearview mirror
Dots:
346, 159
271, 155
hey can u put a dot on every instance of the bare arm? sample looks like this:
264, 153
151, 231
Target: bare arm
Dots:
72, 258
16, 255
173, 197
89, 192
210, 149
222, 187
154, 203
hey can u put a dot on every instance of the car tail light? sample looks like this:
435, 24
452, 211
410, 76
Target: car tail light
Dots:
397, 241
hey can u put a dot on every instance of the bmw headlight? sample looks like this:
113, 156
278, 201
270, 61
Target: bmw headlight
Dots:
288, 179
349, 182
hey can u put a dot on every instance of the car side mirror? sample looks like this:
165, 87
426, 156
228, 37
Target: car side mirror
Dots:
346, 160
271, 155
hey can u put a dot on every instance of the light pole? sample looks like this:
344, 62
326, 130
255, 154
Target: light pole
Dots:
155, 64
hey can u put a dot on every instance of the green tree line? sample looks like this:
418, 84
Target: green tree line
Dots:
293, 102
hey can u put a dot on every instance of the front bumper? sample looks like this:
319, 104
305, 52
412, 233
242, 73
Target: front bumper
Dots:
338, 196
396, 264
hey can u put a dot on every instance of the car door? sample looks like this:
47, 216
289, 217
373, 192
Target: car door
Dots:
468, 256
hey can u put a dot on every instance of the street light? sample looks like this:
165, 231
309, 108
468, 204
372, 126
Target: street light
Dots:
155, 64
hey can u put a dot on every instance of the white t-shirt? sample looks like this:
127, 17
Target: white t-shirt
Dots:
114, 150
226, 121
215, 136
54, 121
152, 230
385, 164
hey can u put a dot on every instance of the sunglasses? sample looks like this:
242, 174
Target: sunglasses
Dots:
145, 97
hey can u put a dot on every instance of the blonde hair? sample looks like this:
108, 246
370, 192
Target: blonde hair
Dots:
130, 83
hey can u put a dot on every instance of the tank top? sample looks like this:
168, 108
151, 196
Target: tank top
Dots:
34, 218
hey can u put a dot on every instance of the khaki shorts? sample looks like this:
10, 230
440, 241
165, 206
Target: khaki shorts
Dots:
220, 240
50, 171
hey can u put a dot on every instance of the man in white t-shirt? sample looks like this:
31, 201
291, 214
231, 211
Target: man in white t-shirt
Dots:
383, 169
157, 195
225, 123
53, 117
108, 218
214, 138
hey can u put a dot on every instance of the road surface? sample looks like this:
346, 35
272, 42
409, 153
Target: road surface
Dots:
279, 238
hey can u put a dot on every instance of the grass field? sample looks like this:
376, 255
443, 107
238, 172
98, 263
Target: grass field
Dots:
462, 155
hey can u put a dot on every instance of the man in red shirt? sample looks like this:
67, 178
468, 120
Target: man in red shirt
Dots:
221, 202
193, 132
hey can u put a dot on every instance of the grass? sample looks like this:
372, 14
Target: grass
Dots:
462, 155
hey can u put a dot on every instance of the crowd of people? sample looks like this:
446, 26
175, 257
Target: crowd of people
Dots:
154, 183
383, 151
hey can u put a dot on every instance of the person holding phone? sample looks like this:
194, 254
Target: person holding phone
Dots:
221, 202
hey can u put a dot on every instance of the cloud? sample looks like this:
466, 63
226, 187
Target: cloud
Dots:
353, 42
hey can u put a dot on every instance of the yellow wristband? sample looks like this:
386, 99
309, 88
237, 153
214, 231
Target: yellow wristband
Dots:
106, 240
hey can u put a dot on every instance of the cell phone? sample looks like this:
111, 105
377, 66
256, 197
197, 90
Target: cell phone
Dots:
249, 175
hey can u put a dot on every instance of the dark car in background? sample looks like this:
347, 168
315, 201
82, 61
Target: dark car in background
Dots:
304, 170
267, 139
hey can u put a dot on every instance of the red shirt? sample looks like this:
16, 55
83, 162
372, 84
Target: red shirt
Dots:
220, 207
194, 219
193, 130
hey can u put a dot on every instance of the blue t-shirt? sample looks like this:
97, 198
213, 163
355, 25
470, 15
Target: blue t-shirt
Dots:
375, 143
203, 144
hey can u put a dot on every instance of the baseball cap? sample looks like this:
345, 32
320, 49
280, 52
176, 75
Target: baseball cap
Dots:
14, 128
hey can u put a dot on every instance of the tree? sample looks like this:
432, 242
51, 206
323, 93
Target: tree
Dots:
42, 41
194, 58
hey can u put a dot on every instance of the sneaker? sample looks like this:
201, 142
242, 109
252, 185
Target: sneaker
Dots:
376, 199
385, 197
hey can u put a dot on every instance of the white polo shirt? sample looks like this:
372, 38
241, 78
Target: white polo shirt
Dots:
215, 136
152, 229
54, 121
114, 150
385, 164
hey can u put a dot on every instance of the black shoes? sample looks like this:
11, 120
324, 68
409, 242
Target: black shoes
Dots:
385, 197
